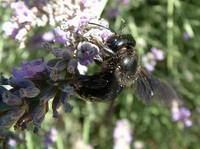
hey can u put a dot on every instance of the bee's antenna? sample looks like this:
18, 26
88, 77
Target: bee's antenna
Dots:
103, 27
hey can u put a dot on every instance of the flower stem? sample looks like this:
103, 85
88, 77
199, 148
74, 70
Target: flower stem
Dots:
86, 130
30, 142
170, 35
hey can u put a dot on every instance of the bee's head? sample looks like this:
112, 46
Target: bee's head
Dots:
127, 61
116, 42
123, 56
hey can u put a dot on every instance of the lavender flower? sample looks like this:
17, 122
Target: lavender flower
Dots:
36, 81
21, 21
11, 99
158, 54
22, 13
122, 135
186, 36
125, 2
41, 13
50, 137
10, 118
12, 143
86, 53
60, 35
10, 28
57, 35
150, 59
182, 115
113, 13
67, 91
30, 69
98, 34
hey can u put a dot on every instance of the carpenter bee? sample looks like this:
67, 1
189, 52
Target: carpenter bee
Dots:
120, 69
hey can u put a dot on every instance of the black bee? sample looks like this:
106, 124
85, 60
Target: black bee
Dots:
120, 68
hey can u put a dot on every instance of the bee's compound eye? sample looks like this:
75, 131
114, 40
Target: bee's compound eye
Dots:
112, 43
129, 65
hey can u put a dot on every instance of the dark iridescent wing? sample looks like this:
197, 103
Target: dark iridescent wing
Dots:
149, 88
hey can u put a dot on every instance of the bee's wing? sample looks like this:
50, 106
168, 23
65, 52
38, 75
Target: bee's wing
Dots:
149, 88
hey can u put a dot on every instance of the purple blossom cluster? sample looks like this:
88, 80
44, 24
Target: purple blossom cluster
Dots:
50, 138
77, 35
30, 69
12, 143
22, 20
36, 82
186, 36
150, 59
28, 15
182, 115
114, 11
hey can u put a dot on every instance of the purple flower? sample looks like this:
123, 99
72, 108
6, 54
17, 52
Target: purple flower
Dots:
122, 134
60, 36
149, 61
86, 53
21, 34
12, 143
182, 114
50, 137
22, 12
186, 36
113, 13
10, 29
125, 2
87, 3
123, 131
158, 54
98, 34
30, 69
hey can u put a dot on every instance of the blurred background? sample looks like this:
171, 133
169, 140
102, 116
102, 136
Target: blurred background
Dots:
167, 33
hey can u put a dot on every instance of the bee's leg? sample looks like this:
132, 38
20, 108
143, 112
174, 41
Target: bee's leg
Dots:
98, 60
107, 51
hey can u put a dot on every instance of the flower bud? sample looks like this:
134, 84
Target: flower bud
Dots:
29, 92
57, 76
10, 117
11, 99
72, 66
86, 52
56, 104
60, 65
38, 116
47, 94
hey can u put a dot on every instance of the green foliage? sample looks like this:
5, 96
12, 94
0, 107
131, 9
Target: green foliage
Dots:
161, 24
